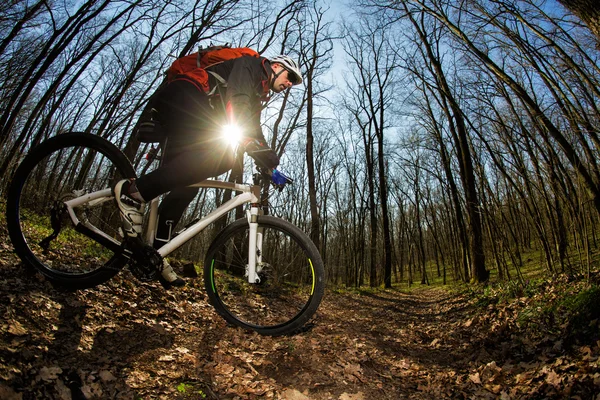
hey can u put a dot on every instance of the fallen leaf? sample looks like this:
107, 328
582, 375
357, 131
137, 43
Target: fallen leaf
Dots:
293, 394
553, 378
348, 396
49, 374
107, 376
475, 378
224, 369
17, 329
92, 391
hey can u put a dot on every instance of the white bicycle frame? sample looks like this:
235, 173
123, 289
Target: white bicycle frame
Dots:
247, 194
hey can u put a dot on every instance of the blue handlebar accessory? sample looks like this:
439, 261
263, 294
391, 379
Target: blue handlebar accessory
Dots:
279, 178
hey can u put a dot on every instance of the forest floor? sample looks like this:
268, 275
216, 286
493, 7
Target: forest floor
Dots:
126, 340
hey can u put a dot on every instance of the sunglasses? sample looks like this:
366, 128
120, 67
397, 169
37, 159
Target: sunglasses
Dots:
292, 77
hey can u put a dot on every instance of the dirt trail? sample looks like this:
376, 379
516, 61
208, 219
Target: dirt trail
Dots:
126, 340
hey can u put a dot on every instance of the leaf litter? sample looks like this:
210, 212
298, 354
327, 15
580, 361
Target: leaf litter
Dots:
126, 340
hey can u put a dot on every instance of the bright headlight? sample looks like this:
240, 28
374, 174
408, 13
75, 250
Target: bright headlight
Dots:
232, 134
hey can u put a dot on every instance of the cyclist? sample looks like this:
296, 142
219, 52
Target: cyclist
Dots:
194, 149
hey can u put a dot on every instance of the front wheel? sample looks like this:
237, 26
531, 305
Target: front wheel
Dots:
291, 277
60, 169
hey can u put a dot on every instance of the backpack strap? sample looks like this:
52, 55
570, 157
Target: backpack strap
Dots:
220, 82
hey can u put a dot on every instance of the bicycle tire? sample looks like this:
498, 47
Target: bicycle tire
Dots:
292, 279
49, 174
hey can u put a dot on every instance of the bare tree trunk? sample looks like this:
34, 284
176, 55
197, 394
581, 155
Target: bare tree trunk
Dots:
457, 127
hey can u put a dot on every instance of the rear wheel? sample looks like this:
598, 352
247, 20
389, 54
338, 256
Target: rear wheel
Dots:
291, 277
60, 169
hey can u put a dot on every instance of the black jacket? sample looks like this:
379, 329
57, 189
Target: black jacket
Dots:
242, 97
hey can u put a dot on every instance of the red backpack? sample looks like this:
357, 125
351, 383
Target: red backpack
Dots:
192, 67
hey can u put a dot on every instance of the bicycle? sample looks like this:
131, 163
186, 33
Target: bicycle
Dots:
260, 272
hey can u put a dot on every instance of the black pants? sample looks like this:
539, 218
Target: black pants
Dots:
194, 152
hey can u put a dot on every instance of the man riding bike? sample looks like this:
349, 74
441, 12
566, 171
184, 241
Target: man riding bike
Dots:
194, 149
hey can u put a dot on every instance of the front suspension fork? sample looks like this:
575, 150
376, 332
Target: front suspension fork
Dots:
254, 246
